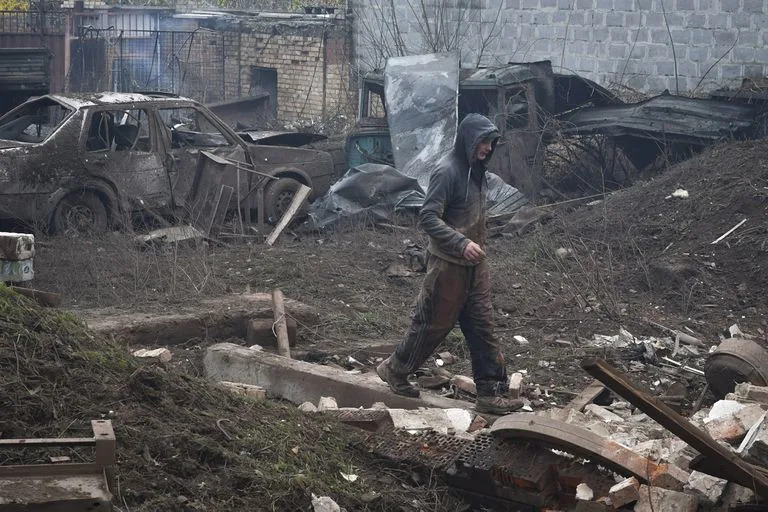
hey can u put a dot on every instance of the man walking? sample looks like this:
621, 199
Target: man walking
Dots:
457, 285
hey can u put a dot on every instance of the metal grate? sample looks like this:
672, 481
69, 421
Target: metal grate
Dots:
429, 449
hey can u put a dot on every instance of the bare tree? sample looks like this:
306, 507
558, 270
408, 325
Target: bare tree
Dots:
390, 28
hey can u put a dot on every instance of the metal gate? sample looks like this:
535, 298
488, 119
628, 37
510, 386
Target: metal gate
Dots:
186, 63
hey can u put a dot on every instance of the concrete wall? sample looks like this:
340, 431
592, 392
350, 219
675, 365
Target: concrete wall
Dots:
610, 41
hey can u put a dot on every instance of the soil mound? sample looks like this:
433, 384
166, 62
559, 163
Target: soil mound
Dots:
183, 444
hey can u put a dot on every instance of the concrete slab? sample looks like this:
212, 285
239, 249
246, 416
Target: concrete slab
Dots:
55, 493
216, 318
299, 381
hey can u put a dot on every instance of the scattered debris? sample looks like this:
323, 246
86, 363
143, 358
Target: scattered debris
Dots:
308, 407
464, 383
162, 354
734, 228
324, 504
170, 235
679, 193
624, 492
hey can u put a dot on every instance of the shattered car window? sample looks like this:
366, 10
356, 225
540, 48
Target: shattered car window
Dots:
118, 130
33, 122
191, 128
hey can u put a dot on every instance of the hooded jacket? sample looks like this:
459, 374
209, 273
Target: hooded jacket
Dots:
454, 209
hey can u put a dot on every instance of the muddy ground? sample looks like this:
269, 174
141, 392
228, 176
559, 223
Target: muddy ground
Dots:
637, 256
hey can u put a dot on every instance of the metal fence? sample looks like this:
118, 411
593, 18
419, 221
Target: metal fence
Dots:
33, 22
186, 63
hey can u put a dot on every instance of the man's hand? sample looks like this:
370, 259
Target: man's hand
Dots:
473, 253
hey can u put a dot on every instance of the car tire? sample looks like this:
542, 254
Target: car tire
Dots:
278, 197
80, 213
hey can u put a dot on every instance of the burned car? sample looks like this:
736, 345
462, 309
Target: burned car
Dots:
88, 162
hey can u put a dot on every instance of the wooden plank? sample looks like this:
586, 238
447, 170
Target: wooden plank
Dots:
736, 469
219, 210
281, 328
298, 200
587, 396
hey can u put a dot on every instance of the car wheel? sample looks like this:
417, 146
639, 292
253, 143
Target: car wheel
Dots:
278, 197
79, 214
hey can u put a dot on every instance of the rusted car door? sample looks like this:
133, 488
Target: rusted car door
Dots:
121, 145
189, 133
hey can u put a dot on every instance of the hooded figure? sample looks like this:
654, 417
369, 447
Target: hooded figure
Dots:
457, 285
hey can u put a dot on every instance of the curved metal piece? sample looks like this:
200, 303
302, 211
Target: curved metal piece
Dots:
736, 360
578, 441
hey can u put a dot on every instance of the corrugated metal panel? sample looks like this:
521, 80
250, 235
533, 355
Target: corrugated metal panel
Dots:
24, 69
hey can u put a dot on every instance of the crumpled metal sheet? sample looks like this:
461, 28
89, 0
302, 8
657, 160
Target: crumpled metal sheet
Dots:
502, 197
371, 190
422, 110
665, 117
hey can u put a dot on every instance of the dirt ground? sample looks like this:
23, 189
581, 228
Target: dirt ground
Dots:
637, 256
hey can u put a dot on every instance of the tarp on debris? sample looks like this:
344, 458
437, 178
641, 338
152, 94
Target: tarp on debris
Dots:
422, 94
373, 191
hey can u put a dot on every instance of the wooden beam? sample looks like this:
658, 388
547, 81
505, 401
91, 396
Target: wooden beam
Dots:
281, 328
298, 200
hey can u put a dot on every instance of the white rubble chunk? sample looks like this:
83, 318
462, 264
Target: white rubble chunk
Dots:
584, 492
603, 414
709, 487
162, 354
327, 402
723, 409
515, 384
308, 407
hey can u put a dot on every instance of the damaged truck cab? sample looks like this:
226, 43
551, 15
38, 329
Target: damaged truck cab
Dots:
520, 98
513, 97
88, 162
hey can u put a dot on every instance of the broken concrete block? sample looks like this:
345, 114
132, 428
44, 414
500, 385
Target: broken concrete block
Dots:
515, 385
710, 487
592, 506
603, 414
379, 405
461, 419
478, 423
464, 383
749, 391
599, 428
260, 331
624, 492
308, 407
162, 354
584, 492
736, 494
327, 402
239, 388
656, 499
574, 417
669, 476
423, 419
732, 427
651, 449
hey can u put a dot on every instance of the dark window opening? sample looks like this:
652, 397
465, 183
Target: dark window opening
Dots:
264, 80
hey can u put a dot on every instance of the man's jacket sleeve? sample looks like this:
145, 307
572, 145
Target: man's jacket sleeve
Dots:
448, 240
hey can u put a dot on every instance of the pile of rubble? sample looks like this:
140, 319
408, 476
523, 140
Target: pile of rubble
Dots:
640, 465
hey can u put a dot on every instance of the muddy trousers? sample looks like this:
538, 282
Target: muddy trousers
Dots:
452, 293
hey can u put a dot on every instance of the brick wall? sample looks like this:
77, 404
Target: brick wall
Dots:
312, 61
716, 42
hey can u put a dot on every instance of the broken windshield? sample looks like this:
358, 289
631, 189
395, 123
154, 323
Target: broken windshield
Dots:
33, 122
